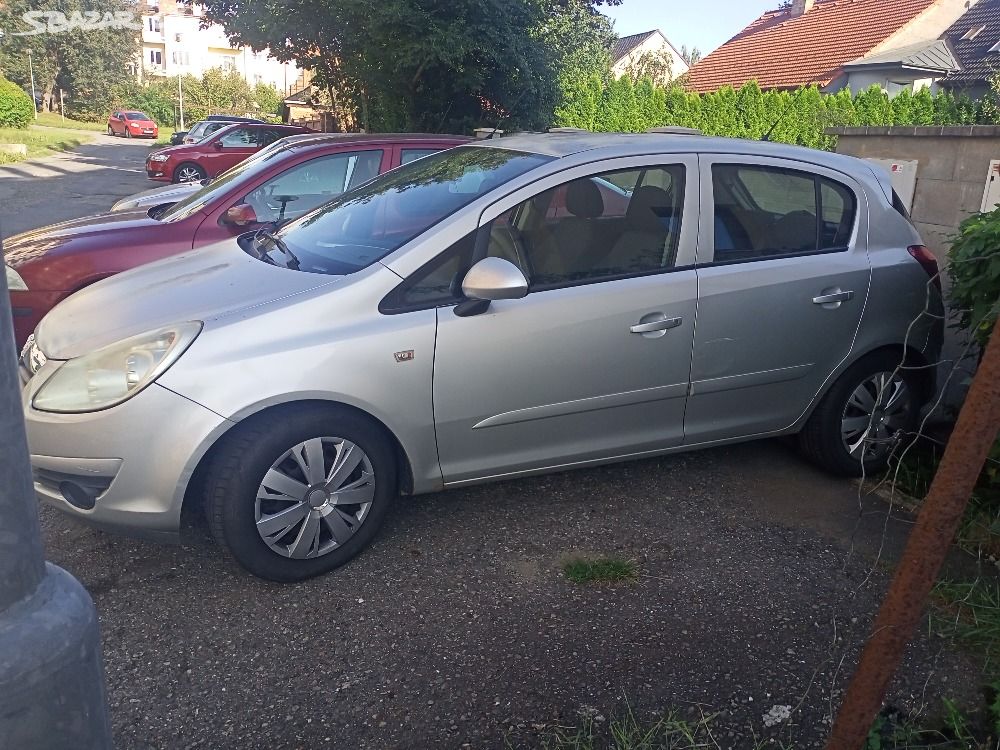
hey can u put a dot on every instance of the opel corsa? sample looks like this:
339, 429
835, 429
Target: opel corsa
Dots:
505, 308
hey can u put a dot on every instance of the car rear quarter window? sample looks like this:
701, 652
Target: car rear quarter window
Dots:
766, 212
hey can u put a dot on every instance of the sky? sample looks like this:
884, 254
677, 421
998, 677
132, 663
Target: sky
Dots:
705, 24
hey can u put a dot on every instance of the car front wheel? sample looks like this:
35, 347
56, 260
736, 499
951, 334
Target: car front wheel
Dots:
189, 173
300, 491
111, 132
867, 413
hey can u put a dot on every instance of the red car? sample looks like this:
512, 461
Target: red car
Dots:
227, 147
132, 124
44, 266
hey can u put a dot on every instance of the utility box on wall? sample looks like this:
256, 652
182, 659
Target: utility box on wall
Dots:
904, 177
991, 195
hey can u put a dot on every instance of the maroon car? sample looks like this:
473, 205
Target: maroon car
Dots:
47, 265
212, 156
132, 124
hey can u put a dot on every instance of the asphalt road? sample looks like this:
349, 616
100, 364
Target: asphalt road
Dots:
759, 577
73, 184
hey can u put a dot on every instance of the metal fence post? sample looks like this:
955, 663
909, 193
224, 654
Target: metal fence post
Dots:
925, 552
52, 694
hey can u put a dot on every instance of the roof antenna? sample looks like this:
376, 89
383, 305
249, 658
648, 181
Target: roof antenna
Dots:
769, 133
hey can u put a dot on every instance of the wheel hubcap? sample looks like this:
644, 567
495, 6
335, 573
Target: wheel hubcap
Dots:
188, 175
875, 416
315, 497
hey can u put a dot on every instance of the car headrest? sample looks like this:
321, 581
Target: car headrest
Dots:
650, 209
583, 199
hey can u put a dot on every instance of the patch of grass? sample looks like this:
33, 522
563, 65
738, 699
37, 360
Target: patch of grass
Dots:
969, 613
671, 732
600, 570
55, 120
164, 139
39, 143
951, 729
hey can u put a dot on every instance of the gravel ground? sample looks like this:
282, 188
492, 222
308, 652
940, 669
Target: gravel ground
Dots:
457, 629
759, 578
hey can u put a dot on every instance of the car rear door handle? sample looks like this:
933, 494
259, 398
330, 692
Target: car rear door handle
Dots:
663, 324
833, 297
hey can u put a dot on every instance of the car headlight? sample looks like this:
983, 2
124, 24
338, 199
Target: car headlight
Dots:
158, 157
116, 373
14, 281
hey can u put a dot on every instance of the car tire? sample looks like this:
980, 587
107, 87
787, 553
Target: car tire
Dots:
128, 133
309, 538
842, 435
111, 131
188, 168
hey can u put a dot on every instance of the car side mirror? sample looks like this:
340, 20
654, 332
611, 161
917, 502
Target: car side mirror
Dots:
489, 280
240, 216
218, 145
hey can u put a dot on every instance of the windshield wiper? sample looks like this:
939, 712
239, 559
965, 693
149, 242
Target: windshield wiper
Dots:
293, 262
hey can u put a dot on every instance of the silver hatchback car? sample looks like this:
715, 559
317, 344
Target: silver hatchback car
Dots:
511, 307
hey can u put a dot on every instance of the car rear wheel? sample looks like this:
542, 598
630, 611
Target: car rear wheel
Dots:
300, 491
871, 409
188, 172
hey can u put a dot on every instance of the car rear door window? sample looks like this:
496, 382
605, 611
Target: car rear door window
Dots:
764, 212
412, 154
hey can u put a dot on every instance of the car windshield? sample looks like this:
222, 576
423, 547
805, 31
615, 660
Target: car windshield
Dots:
242, 173
136, 116
366, 224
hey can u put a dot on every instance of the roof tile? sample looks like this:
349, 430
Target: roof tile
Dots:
779, 51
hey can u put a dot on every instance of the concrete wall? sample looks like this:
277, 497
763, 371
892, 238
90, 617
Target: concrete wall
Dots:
953, 169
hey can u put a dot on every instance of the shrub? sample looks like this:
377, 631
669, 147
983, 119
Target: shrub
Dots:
16, 109
974, 270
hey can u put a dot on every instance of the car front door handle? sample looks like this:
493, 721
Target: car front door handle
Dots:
654, 326
834, 297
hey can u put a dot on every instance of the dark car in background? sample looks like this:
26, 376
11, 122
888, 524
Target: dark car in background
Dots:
204, 128
212, 156
46, 265
132, 124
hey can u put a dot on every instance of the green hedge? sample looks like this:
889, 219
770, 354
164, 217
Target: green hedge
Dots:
16, 109
801, 116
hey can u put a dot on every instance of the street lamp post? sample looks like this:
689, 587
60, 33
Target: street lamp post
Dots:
180, 98
51, 671
31, 72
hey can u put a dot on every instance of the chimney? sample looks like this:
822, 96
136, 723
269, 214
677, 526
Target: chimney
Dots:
801, 7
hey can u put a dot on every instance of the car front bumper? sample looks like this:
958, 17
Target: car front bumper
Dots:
159, 171
123, 469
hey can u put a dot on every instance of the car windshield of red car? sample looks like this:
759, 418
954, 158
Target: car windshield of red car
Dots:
136, 116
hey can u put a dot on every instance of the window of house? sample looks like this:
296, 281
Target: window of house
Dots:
972, 33
155, 57
764, 212
181, 58
154, 24
229, 62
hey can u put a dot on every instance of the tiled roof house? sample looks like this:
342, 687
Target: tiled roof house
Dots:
812, 41
975, 42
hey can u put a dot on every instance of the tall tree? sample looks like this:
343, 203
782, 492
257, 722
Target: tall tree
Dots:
86, 63
421, 64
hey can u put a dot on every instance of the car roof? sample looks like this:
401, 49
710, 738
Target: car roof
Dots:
304, 140
614, 145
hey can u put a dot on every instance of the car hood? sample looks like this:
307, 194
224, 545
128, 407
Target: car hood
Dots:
202, 284
143, 123
28, 246
158, 196
179, 150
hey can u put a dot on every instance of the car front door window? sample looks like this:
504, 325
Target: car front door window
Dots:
313, 183
240, 138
